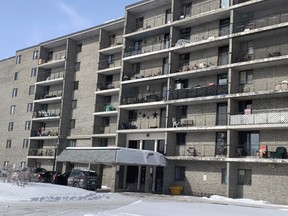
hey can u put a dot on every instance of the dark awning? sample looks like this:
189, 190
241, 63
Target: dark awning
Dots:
112, 155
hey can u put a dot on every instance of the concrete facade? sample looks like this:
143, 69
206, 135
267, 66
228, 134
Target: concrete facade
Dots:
217, 67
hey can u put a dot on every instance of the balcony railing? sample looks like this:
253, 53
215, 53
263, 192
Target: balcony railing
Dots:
198, 150
52, 76
106, 64
46, 113
143, 98
198, 92
108, 85
41, 152
262, 52
110, 129
149, 23
49, 95
147, 48
141, 123
267, 20
104, 107
280, 117
55, 57
44, 133
204, 35
117, 41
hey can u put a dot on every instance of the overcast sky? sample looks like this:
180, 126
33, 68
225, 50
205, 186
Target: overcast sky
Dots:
26, 23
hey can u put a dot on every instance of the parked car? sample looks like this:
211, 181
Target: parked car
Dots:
46, 177
36, 172
84, 179
61, 179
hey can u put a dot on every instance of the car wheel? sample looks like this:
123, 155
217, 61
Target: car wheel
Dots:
76, 184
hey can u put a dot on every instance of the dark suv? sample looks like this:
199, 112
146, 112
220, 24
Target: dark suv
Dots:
84, 179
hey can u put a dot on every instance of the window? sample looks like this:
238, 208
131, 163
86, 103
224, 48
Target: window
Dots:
181, 138
224, 27
31, 89
10, 126
72, 143
244, 177
23, 165
221, 114
77, 66
168, 16
185, 34
112, 39
246, 77
12, 109
8, 144
132, 115
29, 107
104, 142
50, 56
33, 72
222, 79
245, 107
18, 59
72, 123
249, 142
138, 45
79, 48
184, 60
224, 176
161, 146
136, 68
181, 112
106, 121
221, 143
25, 143
35, 55
16, 76
76, 85
224, 3
6, 163
139, 22
14, 92
27, 125
110, 59
74, 104
223, 55
179, 173
186, 10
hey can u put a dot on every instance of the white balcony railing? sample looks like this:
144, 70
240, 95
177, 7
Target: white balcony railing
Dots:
260, 118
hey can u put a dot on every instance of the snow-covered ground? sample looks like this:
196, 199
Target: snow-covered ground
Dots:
48, 199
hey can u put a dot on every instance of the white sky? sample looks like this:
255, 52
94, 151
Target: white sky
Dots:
37, 199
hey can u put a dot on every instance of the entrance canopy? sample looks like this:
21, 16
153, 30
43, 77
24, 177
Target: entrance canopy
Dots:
112, 155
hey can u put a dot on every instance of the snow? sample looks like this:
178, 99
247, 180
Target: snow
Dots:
48, 199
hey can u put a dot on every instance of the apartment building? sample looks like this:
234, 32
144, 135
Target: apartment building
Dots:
203, 83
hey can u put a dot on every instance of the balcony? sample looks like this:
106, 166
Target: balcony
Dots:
56, 60
151, 46
109, 63
47, 115
199, 151
147, 72
106, 108
258, 53
280, 117
143, 98
109, 45
109, 129
41, 152
45, 133
261, 22
50, 77
150, 23
49, 96
213, 90
108, 86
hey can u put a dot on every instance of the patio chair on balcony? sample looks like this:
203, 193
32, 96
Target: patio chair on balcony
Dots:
281, 152
176, 123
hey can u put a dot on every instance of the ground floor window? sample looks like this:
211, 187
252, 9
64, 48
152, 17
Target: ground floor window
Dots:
179, 173
224, 176
244, 177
